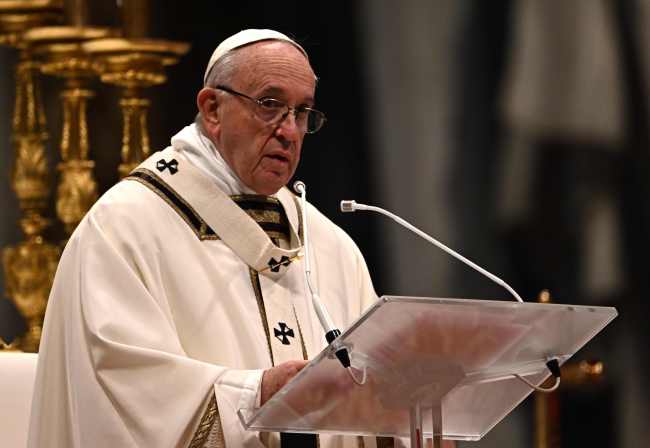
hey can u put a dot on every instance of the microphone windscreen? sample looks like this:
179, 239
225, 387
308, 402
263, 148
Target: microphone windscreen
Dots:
299, 186
348, 206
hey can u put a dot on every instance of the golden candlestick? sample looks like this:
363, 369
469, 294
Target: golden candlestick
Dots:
134, 64
29, 269
4, 347
29, 266
63, 56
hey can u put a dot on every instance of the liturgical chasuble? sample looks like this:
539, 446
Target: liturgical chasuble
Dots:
171, 299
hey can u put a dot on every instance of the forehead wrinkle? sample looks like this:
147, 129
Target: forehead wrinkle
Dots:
272, 64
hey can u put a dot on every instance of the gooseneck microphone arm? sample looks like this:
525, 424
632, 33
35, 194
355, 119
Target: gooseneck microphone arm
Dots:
331, 332
351, 206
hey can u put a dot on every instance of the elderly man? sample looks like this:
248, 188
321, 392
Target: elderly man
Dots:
181, 297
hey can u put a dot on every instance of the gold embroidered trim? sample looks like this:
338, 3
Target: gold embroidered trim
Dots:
302, 340
255, 198
276, 235
263, 217
255, 281
209, 419
202, 231
266, 216
267, 212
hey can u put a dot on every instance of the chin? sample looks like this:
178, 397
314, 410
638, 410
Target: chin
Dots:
269, 188
269, 180
271, 184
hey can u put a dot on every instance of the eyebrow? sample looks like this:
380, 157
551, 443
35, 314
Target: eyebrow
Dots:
276, 92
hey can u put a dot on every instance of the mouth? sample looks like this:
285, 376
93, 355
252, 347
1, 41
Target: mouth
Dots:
277, 163
279, 158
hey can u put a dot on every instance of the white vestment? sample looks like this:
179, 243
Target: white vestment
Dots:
155, 312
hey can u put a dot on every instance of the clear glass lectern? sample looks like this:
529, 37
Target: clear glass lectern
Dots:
435, 368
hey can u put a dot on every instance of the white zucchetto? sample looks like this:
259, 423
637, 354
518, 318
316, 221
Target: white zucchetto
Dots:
246, 37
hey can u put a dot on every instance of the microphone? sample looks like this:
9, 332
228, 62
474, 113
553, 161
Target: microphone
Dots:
331, 332
352, 206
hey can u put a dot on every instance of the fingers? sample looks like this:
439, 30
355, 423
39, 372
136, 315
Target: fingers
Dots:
293, 367
274, 378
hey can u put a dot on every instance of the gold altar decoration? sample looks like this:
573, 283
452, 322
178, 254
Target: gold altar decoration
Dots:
29, 269
134, 62
4, 347
77, 53
60, 49
29, 266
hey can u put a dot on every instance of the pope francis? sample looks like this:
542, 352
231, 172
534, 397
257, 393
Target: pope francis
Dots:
181, 297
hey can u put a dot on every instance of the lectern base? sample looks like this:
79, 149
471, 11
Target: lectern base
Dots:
417, 436
417, 440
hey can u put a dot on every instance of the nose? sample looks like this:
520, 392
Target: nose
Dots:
288, 127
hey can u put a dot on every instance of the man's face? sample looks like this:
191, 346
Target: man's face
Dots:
264, 155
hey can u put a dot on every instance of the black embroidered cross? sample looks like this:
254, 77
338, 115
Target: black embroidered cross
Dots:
283, 332
275, 265
162, 164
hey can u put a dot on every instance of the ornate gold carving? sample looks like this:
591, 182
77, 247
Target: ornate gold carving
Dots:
134, 64
60, 47
36, 5
135, 138
76, 193
4, 347
29, 117
56, 36
30, 176
77, 189
74, 135
72, 66
16, 16
29, 269
133, 77
29, 266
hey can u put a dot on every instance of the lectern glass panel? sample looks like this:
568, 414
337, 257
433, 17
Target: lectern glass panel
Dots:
460, 354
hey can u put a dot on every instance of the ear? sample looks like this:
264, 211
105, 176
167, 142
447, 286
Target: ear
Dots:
207, 102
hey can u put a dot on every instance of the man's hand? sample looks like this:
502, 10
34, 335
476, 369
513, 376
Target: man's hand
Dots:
274, 378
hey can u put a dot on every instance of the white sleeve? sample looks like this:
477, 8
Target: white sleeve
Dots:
235, 390
112, 371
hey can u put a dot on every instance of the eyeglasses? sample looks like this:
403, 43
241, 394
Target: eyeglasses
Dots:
271, 110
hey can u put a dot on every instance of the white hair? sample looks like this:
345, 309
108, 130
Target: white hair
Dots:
223, 71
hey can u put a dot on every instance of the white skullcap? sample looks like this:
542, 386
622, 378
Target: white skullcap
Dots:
246, 37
